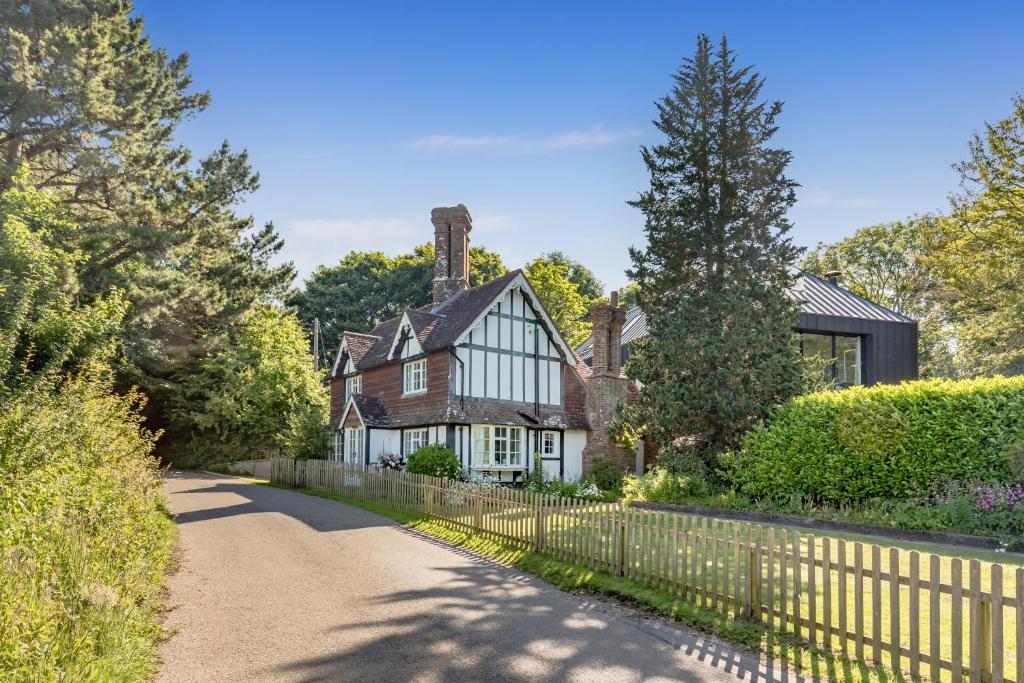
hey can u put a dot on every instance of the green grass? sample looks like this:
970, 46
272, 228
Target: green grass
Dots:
570, 576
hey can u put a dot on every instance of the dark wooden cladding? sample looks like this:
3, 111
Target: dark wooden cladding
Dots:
888, 348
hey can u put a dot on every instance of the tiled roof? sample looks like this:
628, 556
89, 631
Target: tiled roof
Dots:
437, 328
812, 295
372, 410
490, 412
358, 345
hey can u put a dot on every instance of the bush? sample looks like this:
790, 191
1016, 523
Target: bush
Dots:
587, 490
686, 459
606, 475
435, 460
658, 485
888, 442
83, 537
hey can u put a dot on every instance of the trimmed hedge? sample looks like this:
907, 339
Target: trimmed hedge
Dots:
884, 441
435, 460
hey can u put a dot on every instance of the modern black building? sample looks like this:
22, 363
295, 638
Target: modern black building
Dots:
866, 342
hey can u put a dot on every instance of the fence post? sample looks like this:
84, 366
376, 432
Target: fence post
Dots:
538, 532
753, 579
623, 524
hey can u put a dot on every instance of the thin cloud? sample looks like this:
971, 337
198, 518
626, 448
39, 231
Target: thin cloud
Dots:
591, 138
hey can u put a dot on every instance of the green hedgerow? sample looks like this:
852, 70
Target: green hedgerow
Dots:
435, 460
883, 442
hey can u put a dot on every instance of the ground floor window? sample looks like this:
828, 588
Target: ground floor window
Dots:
495, 446
549, 444
416, 439
841, 352
354, 445
339, 446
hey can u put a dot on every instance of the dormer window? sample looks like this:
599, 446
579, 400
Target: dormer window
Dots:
353, 385
414, 377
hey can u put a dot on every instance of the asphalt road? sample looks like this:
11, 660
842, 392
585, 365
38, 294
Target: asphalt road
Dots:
275, 585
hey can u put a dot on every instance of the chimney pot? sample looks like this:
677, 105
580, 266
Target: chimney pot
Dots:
615, 298
833, 276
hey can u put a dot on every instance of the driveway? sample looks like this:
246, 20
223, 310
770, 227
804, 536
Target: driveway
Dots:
276, 585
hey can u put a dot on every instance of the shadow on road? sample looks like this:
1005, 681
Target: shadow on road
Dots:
462, 629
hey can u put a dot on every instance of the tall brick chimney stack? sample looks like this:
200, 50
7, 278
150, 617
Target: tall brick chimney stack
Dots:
452, 225
607, 321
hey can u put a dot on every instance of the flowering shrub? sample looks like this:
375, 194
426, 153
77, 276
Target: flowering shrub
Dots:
391, 461
567, 489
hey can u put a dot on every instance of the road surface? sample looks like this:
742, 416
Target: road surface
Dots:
276, 585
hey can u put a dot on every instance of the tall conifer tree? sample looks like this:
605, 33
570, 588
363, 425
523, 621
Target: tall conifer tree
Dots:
718, 262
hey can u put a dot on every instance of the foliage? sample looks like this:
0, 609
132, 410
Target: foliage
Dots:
44, 334
714, 276
391, 461
90, 109
367, 288
584, 489
587, 284
84, 536
685, 458
435, 460
258, 397
658, 485
606, 475
889, 264
887, 442
629, 295
978, 252
560, 297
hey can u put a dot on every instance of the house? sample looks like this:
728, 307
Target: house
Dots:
482, 370
866, 343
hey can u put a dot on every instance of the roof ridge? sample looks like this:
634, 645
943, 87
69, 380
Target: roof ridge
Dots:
361, 334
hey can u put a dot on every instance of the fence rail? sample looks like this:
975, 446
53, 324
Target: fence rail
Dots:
935, 617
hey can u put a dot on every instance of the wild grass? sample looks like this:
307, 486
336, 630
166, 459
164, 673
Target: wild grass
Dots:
84, 538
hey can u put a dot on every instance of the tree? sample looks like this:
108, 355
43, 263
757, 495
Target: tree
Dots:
979, 251
367, 288
718, 263
90, 108
259, 395
561, 298
629, 295
586, 282
889, 264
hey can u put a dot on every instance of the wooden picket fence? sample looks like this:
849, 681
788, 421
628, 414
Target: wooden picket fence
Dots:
936, 617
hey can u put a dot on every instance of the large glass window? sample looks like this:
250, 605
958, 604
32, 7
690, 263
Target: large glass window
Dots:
497, 446
415, 439
842, 354
414, 377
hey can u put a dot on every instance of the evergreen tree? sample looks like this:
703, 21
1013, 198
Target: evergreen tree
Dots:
714, 275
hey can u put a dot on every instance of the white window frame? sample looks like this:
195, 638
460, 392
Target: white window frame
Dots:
354, 445
353, 385
549, 444
414, 377
497, 447
339, 446
415, 439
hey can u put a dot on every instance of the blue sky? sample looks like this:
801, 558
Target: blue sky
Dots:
361, 117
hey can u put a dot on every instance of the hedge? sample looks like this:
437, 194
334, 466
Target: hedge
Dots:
886, 441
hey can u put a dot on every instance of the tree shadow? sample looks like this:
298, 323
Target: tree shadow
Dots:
317, 513
487, 622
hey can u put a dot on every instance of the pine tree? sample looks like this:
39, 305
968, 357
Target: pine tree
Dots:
713, 278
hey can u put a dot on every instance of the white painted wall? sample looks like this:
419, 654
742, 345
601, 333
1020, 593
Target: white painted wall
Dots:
575, 441
505, 376
384, 441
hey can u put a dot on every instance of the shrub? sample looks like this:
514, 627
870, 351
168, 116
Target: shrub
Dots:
587, 490
84, 537
889, 442
435, 460
606, 475
686, 459
658, 485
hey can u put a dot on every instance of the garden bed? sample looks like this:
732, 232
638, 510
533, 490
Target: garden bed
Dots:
911, 535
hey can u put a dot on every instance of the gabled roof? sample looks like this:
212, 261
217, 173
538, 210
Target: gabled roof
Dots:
435, 328
816, 296
371, 410
812, 294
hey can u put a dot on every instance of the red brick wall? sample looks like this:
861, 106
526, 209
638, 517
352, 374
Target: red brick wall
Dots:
604, 393
385, 382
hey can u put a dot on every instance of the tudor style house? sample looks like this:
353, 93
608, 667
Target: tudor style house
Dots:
482, 370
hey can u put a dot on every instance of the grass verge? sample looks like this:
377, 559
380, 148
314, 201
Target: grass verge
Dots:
781, 647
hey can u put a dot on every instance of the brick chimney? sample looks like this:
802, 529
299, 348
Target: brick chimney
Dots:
452, 225
607, 320
607, 387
